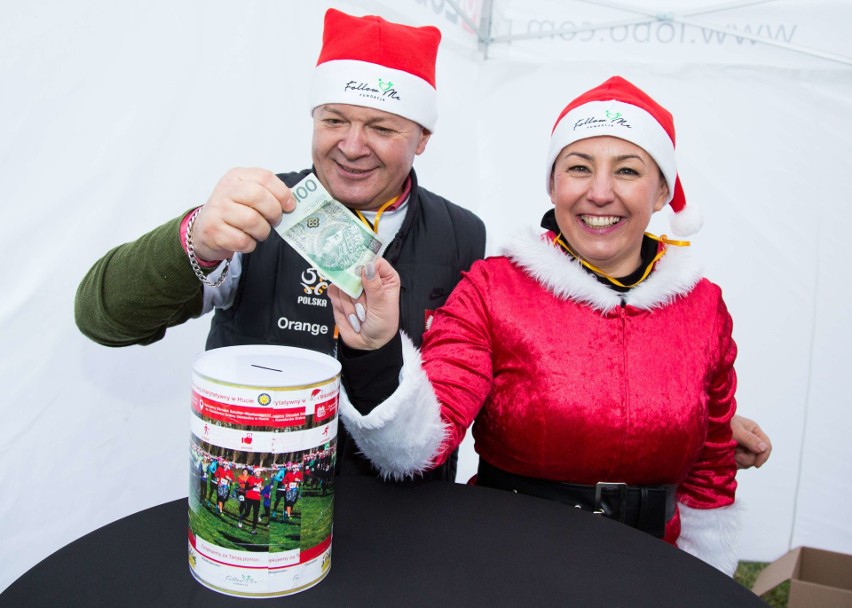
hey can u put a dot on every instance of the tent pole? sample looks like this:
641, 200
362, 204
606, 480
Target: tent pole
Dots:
479, 33
485, 27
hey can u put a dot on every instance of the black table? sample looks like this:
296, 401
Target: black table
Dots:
435, 544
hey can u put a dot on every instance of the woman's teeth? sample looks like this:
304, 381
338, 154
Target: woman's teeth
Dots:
597, 221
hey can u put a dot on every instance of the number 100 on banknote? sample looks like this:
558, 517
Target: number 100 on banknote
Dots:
328, 236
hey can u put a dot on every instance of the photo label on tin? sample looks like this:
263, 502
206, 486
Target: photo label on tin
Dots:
261, 499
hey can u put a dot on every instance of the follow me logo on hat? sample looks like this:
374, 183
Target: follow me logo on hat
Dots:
365, 90
612, 118
368, 61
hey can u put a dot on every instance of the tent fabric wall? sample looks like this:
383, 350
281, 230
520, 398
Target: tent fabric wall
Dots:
116, 118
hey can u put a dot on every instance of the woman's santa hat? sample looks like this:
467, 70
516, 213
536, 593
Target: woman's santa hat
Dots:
618, 108
367, 61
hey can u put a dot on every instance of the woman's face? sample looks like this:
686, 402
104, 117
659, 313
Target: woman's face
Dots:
605, 190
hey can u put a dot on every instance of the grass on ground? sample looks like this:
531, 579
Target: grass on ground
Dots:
747, 573
309, 525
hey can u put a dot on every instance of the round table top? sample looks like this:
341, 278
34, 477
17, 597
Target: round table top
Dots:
415, 545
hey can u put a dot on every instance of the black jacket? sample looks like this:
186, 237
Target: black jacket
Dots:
281, 300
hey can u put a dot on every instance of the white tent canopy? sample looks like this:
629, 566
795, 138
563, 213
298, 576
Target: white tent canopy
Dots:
118, 117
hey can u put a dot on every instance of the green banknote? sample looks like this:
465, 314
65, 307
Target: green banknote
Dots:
329, 236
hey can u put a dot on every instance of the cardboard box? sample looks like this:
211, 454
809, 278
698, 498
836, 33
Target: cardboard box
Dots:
817, 578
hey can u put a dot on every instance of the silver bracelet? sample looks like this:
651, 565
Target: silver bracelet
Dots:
190, 252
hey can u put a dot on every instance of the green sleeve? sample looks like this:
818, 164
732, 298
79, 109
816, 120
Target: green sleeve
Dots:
138, 290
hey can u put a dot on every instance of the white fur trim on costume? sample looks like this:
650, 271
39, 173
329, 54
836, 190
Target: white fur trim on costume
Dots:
360, 83
676, 274
615, 119
402, 435
711, 535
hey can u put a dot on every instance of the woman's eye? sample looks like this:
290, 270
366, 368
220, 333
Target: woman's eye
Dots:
628, 171
578, 169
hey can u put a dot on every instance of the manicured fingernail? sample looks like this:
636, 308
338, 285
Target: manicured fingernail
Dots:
353, 321
359, 310
370, 271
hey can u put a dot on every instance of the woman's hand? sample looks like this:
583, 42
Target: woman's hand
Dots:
370, 321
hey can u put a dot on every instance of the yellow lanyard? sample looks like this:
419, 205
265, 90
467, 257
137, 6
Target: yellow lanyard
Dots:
375, 225
375, 228
662, 239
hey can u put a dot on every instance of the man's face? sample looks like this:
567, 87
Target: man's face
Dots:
362, 155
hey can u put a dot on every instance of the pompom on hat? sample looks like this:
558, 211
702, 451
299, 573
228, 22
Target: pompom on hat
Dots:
618, 108
368, 61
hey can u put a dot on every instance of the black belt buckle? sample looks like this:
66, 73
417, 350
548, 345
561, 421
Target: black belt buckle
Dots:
613, 485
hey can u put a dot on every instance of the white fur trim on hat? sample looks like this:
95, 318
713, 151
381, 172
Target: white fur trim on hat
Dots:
360, 83
688, 221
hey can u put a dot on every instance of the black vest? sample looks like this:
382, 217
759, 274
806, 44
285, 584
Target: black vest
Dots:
282, 300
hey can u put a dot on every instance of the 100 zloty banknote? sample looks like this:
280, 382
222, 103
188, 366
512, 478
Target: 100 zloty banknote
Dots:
328, 236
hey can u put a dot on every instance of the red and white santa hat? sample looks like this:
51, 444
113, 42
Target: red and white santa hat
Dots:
367, 61
618, 108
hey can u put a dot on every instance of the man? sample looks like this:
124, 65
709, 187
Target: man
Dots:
753, 445
374, 103
374, 109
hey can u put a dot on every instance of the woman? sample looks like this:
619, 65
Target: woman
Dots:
589, 355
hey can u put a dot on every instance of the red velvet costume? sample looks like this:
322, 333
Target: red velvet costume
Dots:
563, 381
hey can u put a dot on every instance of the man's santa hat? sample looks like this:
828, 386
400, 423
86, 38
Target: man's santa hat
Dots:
367, 61
618, 108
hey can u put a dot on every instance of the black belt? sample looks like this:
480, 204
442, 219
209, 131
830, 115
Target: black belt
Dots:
645, 508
